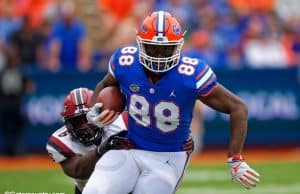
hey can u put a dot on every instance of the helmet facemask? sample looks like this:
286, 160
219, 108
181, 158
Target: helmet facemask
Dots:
78, 126
159, 56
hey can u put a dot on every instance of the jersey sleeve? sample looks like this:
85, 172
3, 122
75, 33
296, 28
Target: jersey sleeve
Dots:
113, 65
120, 124
57, 150
205, 80
54, 154
122, 60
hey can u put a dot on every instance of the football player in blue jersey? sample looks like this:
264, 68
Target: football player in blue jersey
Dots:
161, 86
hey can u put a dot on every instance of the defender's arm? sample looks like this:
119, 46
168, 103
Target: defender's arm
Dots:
80, 166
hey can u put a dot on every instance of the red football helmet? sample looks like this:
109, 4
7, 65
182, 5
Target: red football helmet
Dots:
76, 106
160, 39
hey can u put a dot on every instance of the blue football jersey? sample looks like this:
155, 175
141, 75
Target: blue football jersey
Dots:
160, 114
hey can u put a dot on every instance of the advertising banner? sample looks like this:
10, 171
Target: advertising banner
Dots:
272, 97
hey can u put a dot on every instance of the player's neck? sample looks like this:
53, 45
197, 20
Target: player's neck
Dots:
153, 77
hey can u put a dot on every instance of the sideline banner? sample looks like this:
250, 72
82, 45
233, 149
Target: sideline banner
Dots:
273, 100
272, 96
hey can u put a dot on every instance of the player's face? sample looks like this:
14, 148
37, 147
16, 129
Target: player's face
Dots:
79, 122
82, 130
159, 51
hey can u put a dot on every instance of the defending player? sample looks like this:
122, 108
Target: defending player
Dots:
78, 145
161, 86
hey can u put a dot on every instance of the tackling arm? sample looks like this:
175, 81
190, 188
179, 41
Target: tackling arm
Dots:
224, 101
82, 166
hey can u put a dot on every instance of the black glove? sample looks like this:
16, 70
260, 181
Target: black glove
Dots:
115, 142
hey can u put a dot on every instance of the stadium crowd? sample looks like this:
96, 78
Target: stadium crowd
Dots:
50, 34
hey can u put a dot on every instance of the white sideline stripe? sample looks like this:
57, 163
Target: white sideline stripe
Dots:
260, 189
204, 78
206, 176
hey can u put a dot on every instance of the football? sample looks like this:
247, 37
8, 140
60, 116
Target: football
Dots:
112, 98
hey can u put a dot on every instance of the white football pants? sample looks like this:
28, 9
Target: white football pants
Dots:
137, 171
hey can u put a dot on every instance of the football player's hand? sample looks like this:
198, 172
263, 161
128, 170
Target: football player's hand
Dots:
241, 172
99, 117
115, 142
188, 145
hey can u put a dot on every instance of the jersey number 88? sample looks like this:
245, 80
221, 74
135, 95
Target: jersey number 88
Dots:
165, 115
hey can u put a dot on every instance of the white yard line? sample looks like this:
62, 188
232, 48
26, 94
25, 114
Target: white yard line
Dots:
206, 175
268, 189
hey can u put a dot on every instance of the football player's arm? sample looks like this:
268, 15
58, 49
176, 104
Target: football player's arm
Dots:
97, 115
80, 166
224, 101
108, 80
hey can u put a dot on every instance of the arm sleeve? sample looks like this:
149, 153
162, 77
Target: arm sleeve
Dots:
120, 124
57, 150
206, 81
54, 154
111, 66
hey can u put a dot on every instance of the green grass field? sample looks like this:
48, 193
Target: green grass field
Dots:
276, 178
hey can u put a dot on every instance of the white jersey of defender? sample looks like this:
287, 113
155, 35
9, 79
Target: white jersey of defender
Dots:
62, 146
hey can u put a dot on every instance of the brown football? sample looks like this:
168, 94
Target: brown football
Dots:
112, 98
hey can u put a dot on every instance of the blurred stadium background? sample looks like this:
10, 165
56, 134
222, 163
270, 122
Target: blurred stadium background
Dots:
48, 47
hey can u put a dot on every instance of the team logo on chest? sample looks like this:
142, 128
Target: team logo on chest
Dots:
134, 87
